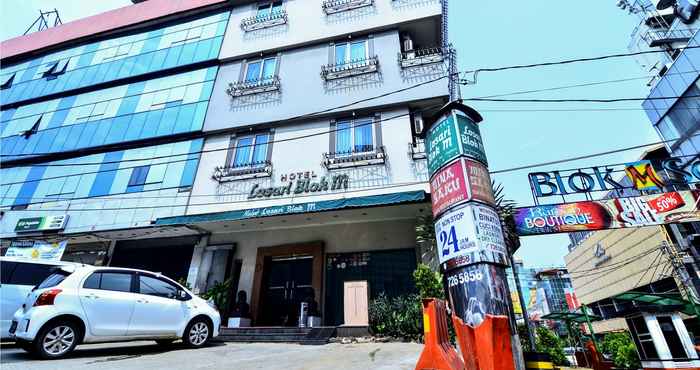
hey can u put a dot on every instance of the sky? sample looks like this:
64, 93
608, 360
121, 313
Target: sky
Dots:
501, 33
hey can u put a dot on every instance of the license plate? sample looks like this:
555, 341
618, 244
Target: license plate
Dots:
13, 327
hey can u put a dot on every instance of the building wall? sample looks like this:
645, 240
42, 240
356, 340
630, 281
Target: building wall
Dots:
353, 237
627, 267
308, 23
400, 173
303, 90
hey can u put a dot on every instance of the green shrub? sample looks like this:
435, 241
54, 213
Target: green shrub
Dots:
548, 342
399, 317
621, 348
428, 282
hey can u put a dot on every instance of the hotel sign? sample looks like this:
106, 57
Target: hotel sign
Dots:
642, 175
302, 185
459, 182
468, 234
616, 213
45, 223
455, 136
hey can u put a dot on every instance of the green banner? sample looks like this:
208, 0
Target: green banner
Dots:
454, 136
29, 224
46, 223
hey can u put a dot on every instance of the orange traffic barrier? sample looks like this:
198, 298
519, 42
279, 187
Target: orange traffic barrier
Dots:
486, 347
438, 353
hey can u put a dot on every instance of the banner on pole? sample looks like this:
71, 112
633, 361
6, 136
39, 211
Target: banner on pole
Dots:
455, 136
459, 182
615, 213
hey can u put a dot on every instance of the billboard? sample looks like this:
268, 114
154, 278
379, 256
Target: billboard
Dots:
616, 213
37, 250
459, 182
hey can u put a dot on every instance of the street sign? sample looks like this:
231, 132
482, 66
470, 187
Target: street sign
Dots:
459, 182
45, 223
455, 136
471, 233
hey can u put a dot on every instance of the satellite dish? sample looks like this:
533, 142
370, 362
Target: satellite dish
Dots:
664, 4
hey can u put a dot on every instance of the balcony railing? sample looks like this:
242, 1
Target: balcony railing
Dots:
337, 6
360, 156
242, 172
349, 69
273, 19
417, 57
249, 87
417, 150
656, 38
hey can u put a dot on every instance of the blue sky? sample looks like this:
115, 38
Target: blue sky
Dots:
500, 33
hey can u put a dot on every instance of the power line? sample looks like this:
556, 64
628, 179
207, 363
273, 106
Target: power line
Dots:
577, 100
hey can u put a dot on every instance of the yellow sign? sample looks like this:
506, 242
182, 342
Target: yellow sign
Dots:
517, 308
643, 175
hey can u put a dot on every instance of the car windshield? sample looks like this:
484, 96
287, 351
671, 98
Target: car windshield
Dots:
54, 279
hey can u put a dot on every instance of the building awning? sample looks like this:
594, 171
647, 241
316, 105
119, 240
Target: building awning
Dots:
657, 302
576, 317
325, 205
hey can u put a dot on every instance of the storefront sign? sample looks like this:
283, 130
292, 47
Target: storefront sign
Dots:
37, 250
45, 223
456, 135
301, 186
616, 213
469, 234
640, 175
461, 181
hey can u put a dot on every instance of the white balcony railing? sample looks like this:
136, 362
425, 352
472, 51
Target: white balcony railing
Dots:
337, 6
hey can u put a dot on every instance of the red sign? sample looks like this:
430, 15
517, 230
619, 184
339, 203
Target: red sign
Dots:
458, 182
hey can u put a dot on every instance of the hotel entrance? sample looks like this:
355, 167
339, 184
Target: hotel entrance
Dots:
287, 281
286, 276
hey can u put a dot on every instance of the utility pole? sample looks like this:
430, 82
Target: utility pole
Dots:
682, 275
523, 307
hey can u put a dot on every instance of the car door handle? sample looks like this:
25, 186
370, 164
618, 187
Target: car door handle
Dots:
141, 300
93, 296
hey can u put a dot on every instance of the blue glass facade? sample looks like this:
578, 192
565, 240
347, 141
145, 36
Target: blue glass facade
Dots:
109, 60
678, 119
141, 110
110, 173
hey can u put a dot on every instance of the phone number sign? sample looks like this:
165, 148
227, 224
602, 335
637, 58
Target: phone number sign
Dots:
454, 136
461, 181
471, 233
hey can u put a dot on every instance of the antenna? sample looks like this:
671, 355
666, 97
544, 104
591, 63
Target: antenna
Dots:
44, 21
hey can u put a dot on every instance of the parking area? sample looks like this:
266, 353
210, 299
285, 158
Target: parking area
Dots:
224, 356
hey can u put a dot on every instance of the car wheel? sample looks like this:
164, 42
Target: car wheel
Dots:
164, 342
56, 339
197, 333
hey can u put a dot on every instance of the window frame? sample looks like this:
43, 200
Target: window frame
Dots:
132, 282
353, 121
347, 60
231, 161
159, 278
260, 79
269, 5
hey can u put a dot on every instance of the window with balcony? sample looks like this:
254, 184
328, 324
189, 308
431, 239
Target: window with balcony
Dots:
355, 142
259, 76
268, 14
249, 157
350, 58
338, 6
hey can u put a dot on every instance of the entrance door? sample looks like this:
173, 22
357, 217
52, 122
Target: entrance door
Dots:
286, 283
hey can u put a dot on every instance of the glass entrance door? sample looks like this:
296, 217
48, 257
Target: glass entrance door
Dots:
286, 283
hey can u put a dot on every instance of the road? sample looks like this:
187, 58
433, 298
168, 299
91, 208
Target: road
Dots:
224, 356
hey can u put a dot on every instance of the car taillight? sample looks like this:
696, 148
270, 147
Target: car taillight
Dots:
46, 298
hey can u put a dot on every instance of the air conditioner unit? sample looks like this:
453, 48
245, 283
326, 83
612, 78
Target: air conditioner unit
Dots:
418, 124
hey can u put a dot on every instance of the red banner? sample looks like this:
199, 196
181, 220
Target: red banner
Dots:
460, 181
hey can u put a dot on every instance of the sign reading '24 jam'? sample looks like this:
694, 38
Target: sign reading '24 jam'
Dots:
455, 136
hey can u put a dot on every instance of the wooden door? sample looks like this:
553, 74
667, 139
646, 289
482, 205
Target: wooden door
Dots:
356, 303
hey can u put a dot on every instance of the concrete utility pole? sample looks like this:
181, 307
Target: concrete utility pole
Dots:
471, 247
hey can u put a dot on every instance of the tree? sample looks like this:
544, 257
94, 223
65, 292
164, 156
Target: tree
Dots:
428, 282
548, 342
621, 348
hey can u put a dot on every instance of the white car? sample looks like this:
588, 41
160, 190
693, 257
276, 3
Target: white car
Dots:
91, 304
17, 278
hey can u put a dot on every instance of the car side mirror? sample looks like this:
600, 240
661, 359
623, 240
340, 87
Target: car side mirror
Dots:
182, 295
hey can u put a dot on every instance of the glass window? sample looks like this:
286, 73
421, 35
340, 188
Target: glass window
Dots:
642, 338
253, 70
269, 67
6, 269
137, 179
266, 9
672, 338
54, 279
117, 281
157, 287
30, 273
351, 51
251, 150
358, 50
354, 136
6, 81
93, 282
340, 51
